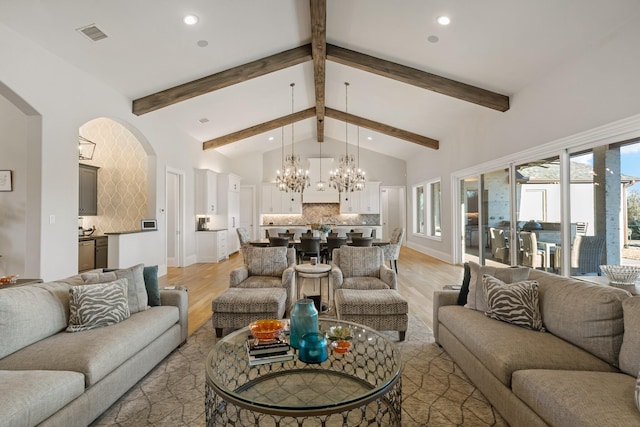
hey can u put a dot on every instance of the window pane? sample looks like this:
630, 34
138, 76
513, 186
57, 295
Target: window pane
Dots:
434, 209
495, 218
538, 212
418, 226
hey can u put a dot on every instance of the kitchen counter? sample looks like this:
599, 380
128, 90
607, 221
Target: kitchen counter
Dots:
212, 229
117, 233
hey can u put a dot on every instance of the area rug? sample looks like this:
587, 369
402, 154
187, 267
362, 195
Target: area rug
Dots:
435, 392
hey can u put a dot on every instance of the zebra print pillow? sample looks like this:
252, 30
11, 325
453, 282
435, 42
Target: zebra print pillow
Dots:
95, 306
515, 303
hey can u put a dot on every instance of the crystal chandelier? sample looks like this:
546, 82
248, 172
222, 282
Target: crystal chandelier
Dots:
291, 177
348, 177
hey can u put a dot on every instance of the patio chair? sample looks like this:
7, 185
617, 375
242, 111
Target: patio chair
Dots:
499, 246
532, 256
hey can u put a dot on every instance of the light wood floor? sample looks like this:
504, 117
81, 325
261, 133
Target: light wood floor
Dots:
418, 276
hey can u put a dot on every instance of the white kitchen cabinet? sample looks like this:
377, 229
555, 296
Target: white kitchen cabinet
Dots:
229, 208
291, 202
275, 201
350, 202
206, 192
211, 246
366, 201
370, 198
271, 199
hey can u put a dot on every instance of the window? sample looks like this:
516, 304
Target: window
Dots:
434, 209
418, 213
427, 209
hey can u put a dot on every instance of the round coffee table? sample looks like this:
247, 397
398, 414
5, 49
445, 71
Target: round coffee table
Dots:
360, 388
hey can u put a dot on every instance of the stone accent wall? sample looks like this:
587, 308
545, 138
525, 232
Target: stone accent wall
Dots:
328, 213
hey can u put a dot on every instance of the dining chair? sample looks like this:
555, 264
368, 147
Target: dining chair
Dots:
333, 242
309, 247
287, 235
353, 234
392, 250
362, 241
278, 241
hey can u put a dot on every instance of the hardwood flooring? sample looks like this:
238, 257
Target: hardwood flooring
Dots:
418, 276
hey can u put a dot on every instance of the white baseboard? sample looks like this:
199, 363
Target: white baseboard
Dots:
442, 256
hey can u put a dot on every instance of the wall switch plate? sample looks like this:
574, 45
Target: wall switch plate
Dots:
52, 219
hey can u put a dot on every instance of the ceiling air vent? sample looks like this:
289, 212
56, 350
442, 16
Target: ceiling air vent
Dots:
92, 32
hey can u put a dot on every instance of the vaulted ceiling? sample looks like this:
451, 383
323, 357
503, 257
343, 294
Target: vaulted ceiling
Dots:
225, 81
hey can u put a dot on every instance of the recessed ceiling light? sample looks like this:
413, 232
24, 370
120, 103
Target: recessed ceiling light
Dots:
203, 43
443, 20
370, 138
203, 120
190, 19
433, 39
270, 138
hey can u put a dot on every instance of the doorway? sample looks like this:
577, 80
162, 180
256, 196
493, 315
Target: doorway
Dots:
175, 217
393, 210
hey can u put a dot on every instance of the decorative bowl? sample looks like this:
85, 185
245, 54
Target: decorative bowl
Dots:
341, 346
621, 274
266, 329
339, 333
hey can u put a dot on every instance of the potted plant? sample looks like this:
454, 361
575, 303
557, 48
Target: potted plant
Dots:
321, 229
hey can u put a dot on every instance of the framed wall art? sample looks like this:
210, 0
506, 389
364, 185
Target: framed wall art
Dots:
5, 181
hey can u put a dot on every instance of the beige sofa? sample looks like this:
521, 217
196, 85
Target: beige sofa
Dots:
580, 372
50, 377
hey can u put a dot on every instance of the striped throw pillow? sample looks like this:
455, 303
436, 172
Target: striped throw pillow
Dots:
515, 303
95, 306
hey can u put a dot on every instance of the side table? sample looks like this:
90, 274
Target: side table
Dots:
318, 271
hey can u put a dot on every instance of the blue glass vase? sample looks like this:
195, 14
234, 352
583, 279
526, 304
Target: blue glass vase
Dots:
313, 348
304, 319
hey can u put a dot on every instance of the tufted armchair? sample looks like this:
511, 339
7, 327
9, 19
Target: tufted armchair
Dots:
260, 289
392, 250
361, 268
265, 267
366, 290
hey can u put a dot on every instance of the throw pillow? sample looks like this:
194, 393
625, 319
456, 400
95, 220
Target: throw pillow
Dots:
95, 306
267, 261
137, 292
151, 284
464, 289
476, 299
515, 303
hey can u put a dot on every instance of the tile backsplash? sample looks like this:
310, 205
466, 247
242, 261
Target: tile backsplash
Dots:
327, 213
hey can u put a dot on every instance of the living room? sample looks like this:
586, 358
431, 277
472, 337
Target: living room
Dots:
570, 74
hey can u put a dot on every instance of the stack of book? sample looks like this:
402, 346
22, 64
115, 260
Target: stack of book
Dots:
261, 352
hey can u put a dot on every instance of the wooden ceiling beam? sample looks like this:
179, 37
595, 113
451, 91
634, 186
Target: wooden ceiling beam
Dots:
258, 129
319, 54
418, 78
225, 78
382, 128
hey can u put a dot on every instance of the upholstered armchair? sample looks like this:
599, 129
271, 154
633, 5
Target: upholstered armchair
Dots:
361, 268
366, 290
392, 250
532, 256
266, 267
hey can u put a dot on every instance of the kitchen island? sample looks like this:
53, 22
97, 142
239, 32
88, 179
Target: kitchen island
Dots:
127, 248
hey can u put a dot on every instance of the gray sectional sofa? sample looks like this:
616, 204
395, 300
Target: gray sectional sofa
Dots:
50, 377
580, 372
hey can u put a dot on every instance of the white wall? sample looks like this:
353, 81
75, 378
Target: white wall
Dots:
597, 88
65, 98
